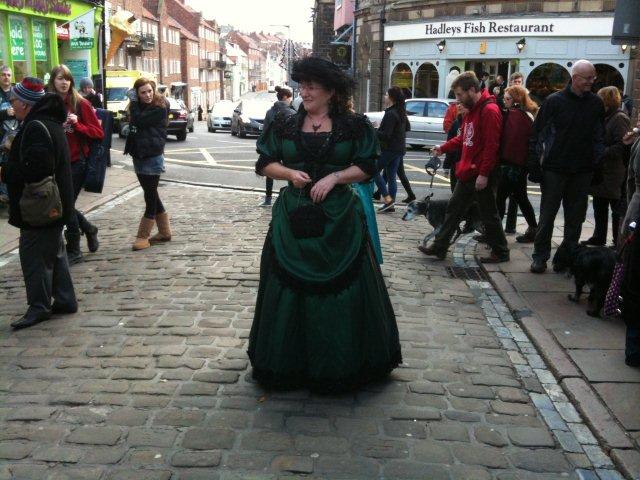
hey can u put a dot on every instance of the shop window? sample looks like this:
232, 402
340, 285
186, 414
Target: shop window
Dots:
41, 47
402, 77
20, 48
608, 76
3, 45
427, 80
546, 79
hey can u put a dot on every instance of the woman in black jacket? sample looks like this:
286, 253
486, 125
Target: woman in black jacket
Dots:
40, 150
392, 134
148, 117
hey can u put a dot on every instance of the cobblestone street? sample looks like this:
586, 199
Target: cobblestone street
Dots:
150, 380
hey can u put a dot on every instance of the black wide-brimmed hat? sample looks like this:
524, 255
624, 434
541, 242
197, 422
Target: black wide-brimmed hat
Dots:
326, 73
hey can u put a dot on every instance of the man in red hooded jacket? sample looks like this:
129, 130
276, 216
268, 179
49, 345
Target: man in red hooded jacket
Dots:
478, 142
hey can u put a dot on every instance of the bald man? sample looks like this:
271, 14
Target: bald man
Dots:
568, 136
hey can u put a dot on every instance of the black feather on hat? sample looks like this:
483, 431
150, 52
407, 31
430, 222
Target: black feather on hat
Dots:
326, 73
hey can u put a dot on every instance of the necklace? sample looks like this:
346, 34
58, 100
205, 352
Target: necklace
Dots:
316, 126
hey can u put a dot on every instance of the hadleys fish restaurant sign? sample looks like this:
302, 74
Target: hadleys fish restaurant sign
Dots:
507, 27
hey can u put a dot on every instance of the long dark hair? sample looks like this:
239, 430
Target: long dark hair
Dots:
397, 97
74, 97
158, 99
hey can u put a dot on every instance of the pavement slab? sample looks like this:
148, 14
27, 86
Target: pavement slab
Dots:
150, 379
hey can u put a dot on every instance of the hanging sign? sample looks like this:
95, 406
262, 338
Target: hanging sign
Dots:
40, 41
62, 32
18, 51
81, 31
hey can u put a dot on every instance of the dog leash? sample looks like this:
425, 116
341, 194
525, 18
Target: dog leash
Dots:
431, 167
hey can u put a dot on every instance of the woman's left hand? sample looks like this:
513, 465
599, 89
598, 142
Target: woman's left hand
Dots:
322, 188
72, 118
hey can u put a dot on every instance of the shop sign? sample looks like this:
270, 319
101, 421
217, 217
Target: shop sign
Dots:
60, 7
62, 32
40, 41
81, 31
514, 27
18, 50
79, 69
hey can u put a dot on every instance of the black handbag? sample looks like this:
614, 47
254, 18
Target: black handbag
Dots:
307, 221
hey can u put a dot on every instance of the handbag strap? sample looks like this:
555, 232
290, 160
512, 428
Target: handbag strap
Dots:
48, 136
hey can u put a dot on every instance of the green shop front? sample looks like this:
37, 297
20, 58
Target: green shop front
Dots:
36, 35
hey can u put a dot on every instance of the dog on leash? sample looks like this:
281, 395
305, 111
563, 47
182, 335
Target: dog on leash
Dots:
591, 266
434, 211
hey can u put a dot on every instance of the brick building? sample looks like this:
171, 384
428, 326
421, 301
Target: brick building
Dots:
190, 55
323, 32
210, 65
415, 44
140, 51
256, 56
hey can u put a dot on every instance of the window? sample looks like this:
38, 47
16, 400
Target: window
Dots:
546, 79
20, 47
427, 80
164, 34
338, 4
415, 109
41, 46
436, 109
402, 76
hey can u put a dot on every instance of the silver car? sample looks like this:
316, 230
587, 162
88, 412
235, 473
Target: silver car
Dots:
220, 116
426, 116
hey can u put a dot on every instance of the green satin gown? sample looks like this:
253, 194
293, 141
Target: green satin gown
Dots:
323, 318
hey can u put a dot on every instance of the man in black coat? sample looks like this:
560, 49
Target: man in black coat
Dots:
40, 150
565, 149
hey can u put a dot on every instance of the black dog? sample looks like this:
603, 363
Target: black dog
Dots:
434, 211
592, 266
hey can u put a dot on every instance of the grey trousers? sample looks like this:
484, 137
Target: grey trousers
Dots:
570, 190
463, 196
45, 269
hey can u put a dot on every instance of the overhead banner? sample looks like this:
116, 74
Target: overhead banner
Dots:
81, 31
503, 27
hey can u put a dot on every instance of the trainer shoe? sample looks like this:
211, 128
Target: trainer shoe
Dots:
494, 258
387, 208
266, 202
431, 250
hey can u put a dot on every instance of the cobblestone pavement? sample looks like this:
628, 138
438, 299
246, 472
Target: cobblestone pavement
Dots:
150, 380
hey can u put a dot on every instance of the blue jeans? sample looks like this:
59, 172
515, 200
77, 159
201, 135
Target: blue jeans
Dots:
389, 162
3, 186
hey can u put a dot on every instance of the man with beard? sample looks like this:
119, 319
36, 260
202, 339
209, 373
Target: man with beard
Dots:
478, 143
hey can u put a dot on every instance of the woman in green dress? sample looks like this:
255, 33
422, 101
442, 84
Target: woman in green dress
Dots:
323, 317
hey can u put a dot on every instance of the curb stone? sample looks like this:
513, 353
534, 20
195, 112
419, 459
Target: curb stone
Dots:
552, 403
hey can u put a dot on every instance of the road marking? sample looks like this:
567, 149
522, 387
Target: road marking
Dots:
208, 157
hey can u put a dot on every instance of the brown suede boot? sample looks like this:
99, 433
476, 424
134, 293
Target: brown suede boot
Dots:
164, 229
144, 232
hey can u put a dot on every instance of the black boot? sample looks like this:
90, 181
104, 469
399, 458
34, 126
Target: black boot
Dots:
74, 255
92, 238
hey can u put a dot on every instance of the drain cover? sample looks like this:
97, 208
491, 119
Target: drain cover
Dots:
468, 273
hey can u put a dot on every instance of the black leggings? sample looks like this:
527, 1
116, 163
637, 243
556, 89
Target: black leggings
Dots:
517, 189
153, 204
601, 215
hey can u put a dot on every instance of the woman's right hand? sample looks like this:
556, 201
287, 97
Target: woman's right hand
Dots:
299, 178
630, 137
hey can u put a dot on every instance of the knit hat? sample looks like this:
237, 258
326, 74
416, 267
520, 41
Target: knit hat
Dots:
86, 83
29, 91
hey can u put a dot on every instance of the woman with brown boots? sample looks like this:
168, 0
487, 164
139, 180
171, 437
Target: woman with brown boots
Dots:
148, 118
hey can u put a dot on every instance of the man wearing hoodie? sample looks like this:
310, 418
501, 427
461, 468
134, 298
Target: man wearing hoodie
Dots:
569, 133
282, 107
478, 143
40, 150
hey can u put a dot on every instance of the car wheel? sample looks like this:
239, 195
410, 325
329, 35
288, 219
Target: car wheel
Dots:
190, 129
415, 146
182, 136
209, 129
242, 133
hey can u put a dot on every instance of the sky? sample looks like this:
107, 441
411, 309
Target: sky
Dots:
257, 15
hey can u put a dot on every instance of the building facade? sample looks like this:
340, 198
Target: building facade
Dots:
323, 31
416, 44
36, 36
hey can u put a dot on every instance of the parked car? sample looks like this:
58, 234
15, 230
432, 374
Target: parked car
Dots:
220, 116
426, 116
178, 120
248, 117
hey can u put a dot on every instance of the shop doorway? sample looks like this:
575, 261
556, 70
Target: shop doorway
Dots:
546, 79
427, 81
493, 67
